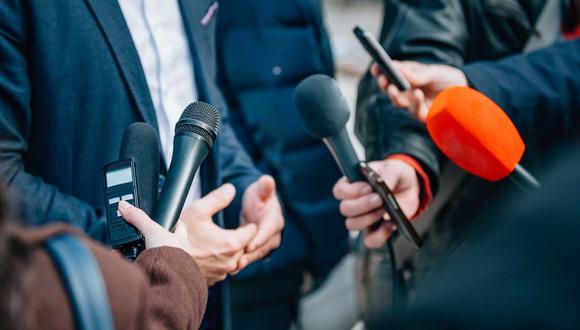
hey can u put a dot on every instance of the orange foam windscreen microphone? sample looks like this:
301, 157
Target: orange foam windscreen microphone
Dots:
477, 135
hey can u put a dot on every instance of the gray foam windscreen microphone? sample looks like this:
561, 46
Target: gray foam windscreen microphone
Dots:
324, 113
321, 106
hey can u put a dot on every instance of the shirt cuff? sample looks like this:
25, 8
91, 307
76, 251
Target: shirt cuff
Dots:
426, 192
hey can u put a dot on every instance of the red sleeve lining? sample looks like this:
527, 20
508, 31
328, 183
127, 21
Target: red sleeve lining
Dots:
426, 192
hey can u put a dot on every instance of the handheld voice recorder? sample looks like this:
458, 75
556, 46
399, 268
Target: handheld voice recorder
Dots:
121, 185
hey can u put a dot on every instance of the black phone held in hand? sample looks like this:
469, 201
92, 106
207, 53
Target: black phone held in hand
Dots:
121, 185
390, 205
380, 56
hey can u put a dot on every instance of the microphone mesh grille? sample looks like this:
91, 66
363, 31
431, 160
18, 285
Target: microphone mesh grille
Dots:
203, 112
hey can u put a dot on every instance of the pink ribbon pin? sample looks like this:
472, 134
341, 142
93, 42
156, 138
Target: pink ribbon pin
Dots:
209, 14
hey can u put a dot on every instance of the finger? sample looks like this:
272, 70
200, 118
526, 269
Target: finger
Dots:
390, 173
346, 190
377, 238
138, 218
423, 108
243, 235
266, 187
387, 218
375, 69
181, 229
351, 208
409, 203
215, 201
383, 82
268, 228
417, 106
260, 253
364, 221
416, 73
400, 99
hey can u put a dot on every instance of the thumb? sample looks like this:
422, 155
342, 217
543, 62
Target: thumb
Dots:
266, 187
388, 171
138, 218
418, 107
246, 233
216, 200
415, 72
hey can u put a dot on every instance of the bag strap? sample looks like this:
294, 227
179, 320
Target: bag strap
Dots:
83, 282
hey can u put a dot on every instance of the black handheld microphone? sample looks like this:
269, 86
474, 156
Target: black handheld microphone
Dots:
195, 134
324, 112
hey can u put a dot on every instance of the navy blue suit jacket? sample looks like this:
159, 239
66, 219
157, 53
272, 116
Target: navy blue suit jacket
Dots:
70, 83
539, 91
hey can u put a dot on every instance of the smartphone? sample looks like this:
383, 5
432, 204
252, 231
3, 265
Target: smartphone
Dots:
390, 205
380, 56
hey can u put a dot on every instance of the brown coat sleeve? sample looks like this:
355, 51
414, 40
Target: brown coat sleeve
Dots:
177, 294
164, 289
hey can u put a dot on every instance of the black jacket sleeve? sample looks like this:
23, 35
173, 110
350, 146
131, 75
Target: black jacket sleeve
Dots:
432, 32
42, 202
450, 32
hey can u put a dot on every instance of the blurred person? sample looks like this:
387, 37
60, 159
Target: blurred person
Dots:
34, 295
453, 33
74, 75
518, 270
466, 31
257, 43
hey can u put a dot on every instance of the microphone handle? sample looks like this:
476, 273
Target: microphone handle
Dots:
523, 179
341, 149
188, 153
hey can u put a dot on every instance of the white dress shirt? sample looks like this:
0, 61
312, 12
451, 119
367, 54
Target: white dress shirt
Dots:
158, 33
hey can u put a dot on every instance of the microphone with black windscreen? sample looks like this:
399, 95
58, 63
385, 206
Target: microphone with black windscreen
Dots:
324, 112
195, 134
141, 143
134, 179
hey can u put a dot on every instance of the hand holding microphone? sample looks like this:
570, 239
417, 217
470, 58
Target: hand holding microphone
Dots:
217, 251
362, 206
324, 113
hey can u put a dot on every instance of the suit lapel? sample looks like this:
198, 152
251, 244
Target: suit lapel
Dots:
200, 39
112, 23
